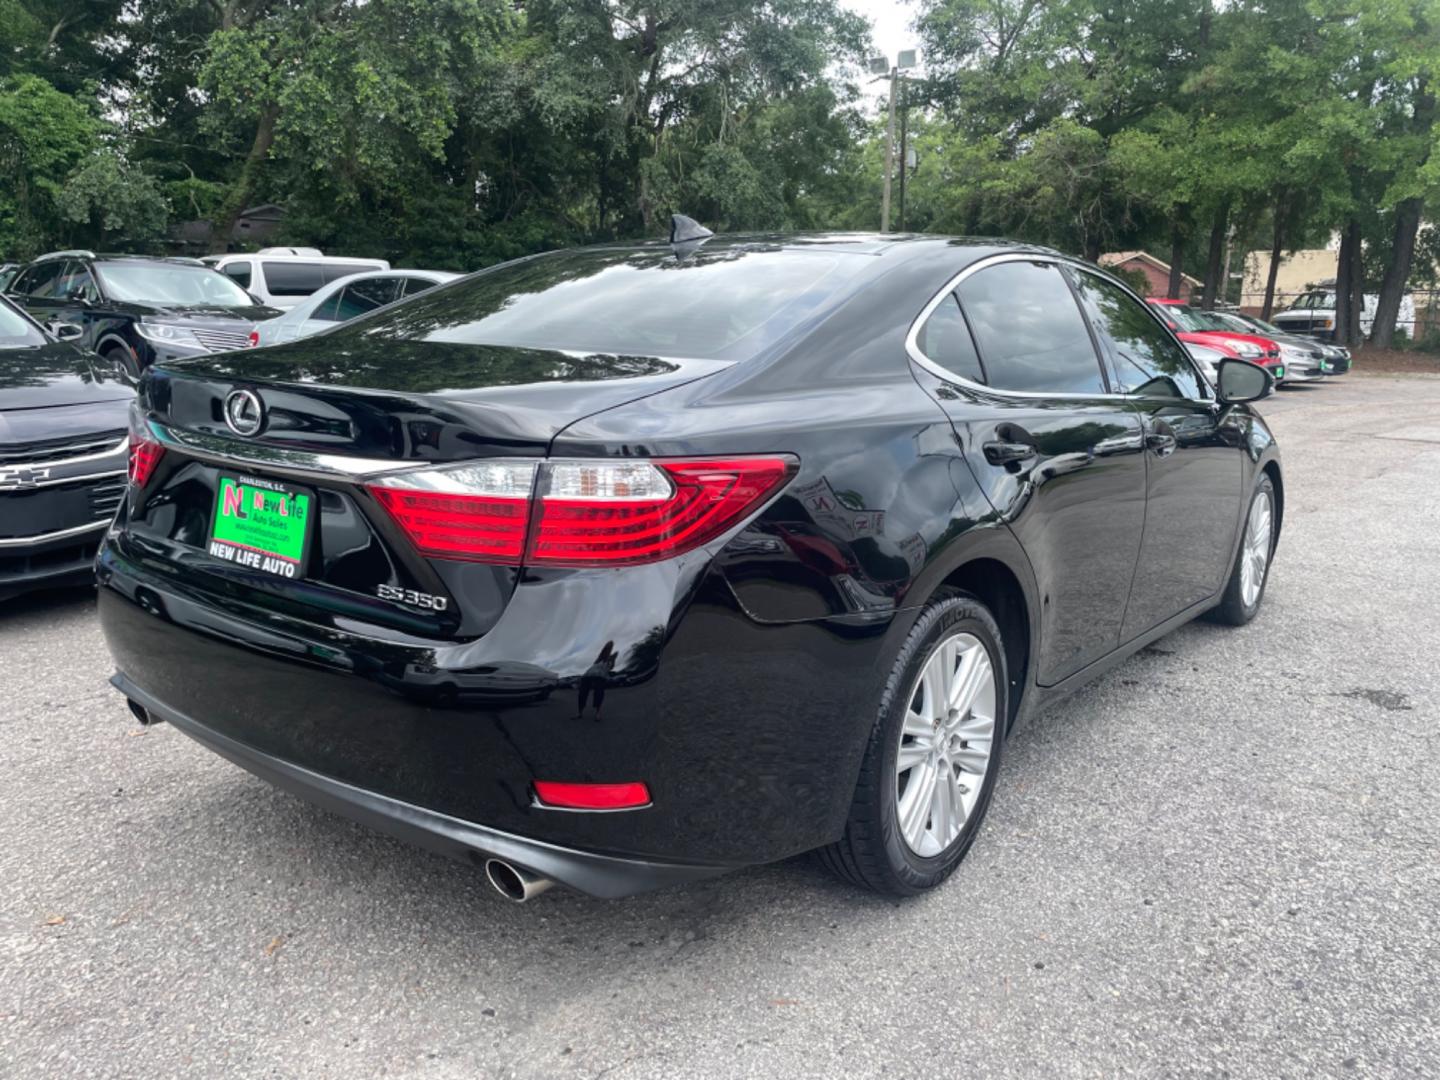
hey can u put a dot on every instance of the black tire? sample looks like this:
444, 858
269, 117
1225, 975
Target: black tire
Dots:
124, 362
872, 853
1232, 610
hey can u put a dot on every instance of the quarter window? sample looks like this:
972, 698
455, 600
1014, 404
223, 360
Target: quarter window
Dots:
1029, 330
1148, 361
946, 340
415, 285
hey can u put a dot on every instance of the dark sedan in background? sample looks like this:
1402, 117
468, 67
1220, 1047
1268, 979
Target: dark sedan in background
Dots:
134, 309
63, 418
627, 565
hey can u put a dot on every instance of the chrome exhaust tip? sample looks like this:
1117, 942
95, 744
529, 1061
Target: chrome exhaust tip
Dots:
513, 883
141, 713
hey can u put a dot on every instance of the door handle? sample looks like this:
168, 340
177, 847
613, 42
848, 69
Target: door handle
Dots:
1006, 453
1162, 442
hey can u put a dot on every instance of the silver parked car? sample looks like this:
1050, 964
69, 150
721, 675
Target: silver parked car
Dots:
345, 299
1336, 358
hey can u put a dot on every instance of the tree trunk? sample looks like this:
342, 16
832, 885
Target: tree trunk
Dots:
1357, 286
1397, 274
1177, 258
1344, 283
1214, 271
1277, 245
1407, 224
244, 186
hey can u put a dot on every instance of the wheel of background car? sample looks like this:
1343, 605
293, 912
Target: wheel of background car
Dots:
123, 359
932, 756
1251, 572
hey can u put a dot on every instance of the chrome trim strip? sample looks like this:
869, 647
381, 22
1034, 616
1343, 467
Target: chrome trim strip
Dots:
58, 480
912, 338
57, 463
78, 530
235, 452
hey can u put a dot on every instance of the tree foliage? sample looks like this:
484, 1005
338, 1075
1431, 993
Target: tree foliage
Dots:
454, 133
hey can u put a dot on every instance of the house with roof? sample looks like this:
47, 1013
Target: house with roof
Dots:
1155, 271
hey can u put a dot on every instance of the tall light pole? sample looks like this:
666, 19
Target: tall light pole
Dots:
880, 66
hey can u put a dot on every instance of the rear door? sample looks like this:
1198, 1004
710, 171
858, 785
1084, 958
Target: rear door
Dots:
1056, 452
1193, 459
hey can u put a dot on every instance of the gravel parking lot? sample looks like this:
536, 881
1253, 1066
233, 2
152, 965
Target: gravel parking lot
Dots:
1220, 859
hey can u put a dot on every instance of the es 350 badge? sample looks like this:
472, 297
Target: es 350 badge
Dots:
412, 597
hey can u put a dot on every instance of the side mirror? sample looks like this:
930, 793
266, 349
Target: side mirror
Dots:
1240, 380
65, 331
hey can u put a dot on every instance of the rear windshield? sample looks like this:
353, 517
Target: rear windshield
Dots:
725, 304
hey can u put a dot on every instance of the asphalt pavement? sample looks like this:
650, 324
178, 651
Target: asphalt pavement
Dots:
1222, 859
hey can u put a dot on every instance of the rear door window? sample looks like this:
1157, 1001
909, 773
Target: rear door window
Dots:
362, 297
1029, 330
291, 278
38, 283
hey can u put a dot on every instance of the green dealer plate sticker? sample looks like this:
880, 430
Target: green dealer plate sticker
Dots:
261, 524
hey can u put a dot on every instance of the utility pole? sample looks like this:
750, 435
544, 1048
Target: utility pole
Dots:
889, 153
904, 155
880, 67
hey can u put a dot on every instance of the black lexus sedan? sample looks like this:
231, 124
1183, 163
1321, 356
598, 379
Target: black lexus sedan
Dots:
63, 438
628, 565
136, 309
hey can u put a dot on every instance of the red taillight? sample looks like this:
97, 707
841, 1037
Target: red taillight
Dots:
471, 527
592, 796
254, 338
145, 450
590, 513
706, 498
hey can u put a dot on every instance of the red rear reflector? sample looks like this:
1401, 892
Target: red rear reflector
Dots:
478, 528
592, 796
709, 496
254, 338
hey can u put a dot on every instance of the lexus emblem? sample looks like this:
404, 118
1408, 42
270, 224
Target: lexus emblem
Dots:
243, 412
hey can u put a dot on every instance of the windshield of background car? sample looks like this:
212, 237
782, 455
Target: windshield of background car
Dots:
1183, 317
1312, 300
16, 331
170, 283
1209, 320
726, 304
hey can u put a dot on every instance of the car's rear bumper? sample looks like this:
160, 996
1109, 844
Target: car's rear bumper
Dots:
748, 735
605, 876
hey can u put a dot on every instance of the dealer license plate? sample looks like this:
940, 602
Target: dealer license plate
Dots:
261, 524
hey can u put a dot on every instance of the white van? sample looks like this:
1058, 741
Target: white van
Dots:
283, 276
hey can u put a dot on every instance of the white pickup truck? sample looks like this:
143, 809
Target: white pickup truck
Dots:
1313, 314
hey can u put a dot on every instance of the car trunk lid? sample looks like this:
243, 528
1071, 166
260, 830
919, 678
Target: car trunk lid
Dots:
329, 426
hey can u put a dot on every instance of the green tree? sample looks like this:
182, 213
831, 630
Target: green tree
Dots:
44, 134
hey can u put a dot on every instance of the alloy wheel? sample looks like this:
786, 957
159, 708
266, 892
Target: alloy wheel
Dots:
1256, 554
945, 744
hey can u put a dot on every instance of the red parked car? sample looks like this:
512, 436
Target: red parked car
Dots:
1198, 328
